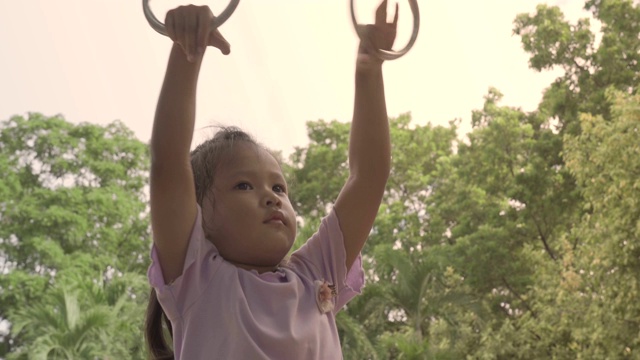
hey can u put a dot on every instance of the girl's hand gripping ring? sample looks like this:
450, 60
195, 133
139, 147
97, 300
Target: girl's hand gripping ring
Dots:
390, 54
159, 27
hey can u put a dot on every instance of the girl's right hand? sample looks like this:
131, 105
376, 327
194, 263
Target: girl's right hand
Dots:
189, 26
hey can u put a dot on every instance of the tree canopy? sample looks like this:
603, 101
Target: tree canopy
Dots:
74, 238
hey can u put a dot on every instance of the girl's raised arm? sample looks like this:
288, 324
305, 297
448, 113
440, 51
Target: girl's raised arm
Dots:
173, 200
369, 143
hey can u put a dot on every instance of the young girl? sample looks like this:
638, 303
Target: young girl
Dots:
222, 222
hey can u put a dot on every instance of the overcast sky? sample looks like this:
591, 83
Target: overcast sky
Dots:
291, 61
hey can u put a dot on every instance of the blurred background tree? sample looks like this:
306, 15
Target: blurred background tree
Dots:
74, 238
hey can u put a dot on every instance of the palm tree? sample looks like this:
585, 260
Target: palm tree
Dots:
59, 329
81, 319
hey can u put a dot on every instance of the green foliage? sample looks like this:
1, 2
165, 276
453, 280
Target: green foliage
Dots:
589, 68
316, 187
72, 213
605, 159
83, 319
354, 340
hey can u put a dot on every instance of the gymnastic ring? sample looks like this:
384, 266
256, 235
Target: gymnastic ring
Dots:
390, 54
159, 27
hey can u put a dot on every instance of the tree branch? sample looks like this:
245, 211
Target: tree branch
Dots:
544, 241
514, 292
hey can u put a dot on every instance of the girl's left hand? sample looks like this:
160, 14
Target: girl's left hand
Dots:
381, 35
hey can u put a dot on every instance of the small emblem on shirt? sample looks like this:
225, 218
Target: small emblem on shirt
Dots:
325, 293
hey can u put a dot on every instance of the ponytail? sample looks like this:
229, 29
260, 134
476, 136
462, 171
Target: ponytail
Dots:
154, 330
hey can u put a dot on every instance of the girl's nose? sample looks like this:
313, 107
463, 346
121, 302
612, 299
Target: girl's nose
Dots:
272, 199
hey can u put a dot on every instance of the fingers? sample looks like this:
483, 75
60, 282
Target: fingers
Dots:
190, 27
189, 42
395, 17
362, 31
171, 26
374, 38
204, 20
381, 13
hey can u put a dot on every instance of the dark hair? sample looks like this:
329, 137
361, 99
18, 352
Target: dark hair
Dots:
205, 160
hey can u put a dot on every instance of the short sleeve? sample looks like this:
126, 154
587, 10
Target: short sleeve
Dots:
323, 257
200, 264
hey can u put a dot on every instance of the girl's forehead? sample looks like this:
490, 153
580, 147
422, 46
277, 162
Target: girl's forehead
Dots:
249, 157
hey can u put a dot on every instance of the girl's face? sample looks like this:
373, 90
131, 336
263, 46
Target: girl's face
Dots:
252, 222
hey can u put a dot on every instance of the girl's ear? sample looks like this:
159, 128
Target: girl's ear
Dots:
207, 214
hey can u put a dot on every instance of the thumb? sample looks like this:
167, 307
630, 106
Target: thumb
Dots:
217, 40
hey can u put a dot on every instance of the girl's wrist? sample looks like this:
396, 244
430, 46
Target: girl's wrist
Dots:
368, 71
178, 57
368, 64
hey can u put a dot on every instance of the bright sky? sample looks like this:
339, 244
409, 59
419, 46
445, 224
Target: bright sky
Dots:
291, 61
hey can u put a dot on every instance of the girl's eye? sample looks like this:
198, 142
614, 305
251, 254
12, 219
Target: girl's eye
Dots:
279, 189
243, 186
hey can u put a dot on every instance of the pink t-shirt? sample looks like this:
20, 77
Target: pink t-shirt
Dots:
220, 311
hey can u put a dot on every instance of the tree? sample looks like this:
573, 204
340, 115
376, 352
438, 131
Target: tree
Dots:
589, 69
71, 201
504, 199
605, 160
81, 318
